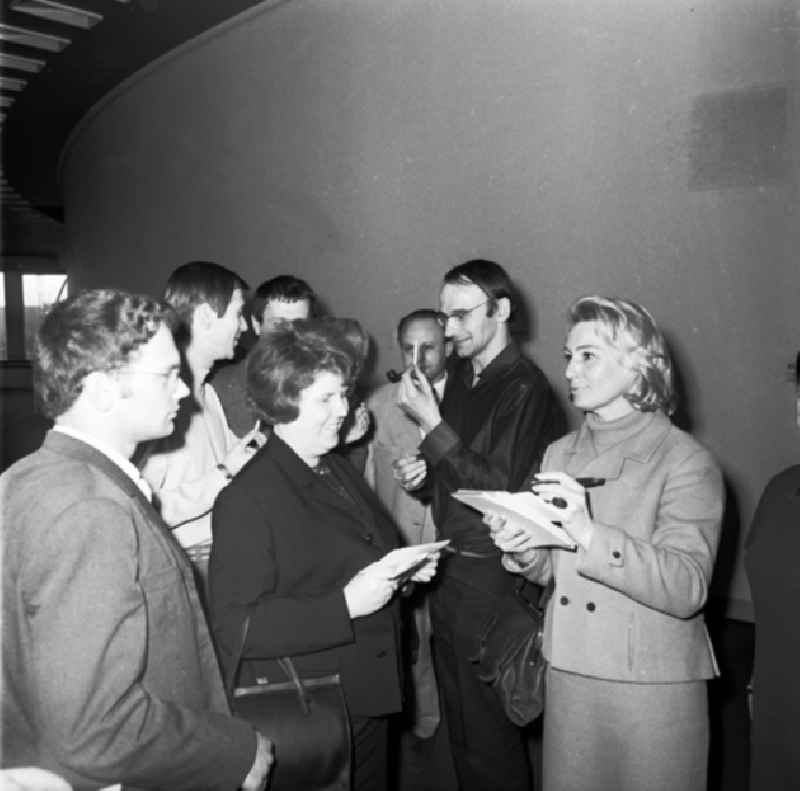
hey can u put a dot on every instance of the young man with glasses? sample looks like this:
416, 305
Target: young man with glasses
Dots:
109, 675
496, 418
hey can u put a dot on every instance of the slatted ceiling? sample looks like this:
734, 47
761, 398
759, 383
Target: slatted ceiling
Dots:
12, 83
58, 12
21, 63
10, 198
145, 30
26, 37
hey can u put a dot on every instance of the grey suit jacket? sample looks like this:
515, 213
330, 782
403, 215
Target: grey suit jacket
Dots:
630, 607
109, 675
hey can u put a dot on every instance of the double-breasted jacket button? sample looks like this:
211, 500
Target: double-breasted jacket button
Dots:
616, 554
368, 537
590, 606
564, 600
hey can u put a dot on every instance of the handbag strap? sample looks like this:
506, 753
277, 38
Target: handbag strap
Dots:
534, 597
285, 663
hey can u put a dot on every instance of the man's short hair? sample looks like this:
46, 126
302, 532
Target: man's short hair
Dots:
197, 282
91, 331
283, 288
287, 359
423, 314
490, 277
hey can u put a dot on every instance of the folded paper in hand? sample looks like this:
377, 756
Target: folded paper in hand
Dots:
400, 562
522, 509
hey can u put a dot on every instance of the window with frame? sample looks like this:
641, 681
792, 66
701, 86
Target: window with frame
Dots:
25, 297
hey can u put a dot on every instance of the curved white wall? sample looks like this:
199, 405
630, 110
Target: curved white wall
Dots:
369, 146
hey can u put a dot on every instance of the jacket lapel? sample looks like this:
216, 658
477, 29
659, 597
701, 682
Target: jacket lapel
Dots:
73, 448
608, 463
352, 517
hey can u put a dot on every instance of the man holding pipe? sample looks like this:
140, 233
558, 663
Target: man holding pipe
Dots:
420, 336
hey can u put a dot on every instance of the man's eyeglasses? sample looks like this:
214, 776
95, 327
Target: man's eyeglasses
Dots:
171, 377
461, 314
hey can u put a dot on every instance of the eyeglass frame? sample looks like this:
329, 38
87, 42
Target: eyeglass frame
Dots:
171, 377
461, 314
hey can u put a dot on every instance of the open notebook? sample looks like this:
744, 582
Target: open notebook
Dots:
523, 509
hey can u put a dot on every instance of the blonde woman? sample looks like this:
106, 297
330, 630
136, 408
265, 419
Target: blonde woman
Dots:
625, 640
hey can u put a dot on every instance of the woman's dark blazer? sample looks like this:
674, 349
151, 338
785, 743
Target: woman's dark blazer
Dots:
286, 540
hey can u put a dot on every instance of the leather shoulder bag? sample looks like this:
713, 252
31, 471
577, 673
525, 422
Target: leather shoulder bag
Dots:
307, 721
510, 655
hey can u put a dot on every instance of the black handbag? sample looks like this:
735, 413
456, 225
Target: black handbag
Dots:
306, 720
510, 653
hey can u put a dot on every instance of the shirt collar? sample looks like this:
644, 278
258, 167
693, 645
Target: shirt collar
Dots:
117, 458
501, 363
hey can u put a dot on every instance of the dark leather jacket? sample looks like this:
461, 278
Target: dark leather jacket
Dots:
492, 435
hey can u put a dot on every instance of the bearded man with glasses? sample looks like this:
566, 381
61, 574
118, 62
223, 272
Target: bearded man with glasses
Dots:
497, 416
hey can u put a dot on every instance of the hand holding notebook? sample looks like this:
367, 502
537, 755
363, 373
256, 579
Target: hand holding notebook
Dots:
525, 510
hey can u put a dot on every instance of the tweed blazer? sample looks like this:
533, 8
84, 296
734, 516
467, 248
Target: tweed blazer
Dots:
285, 545
630, 607
109, 674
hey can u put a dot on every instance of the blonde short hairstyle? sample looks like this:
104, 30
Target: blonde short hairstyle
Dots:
631, 329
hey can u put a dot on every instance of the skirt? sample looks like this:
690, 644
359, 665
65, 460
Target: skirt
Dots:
618, 736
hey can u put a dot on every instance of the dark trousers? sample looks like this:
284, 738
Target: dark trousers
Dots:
370, 753
489, 751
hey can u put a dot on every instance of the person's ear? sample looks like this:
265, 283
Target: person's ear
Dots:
203, 318
502, 309
102, 390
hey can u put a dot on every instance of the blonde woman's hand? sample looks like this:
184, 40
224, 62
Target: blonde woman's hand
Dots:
568, 502
512, 540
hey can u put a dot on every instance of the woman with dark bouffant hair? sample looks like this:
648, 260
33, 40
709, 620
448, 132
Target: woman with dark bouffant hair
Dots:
296, 538
625, 640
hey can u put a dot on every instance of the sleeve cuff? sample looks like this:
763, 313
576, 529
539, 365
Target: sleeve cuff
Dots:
438, 443
606, 550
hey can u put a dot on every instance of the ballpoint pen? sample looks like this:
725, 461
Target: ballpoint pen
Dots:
587, 483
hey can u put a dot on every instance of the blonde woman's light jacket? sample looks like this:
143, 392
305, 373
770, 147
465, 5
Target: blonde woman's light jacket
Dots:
630, 607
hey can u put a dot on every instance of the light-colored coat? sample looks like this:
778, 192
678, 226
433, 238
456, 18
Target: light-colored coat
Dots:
629, 607
397, 435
